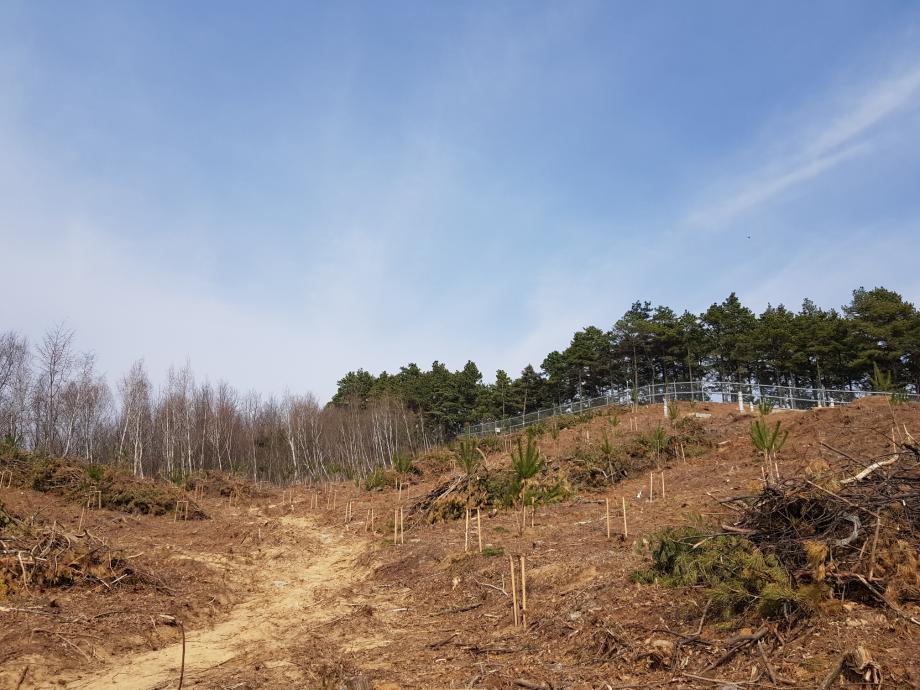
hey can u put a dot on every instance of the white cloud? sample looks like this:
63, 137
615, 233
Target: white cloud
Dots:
817, 143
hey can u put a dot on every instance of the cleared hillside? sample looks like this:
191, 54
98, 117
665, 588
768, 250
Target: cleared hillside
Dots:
282, 588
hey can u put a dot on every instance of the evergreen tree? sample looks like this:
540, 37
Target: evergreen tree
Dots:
632, 336
559, 386
884, 331
728, 327
776, 358
529, 390
354, 389
589, 357
813, 347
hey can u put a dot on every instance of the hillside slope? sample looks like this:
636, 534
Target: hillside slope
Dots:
293, 590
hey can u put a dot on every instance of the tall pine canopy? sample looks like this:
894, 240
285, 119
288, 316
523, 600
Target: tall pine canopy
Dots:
653, 344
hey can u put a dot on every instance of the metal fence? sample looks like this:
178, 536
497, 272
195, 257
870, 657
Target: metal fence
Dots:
745, 395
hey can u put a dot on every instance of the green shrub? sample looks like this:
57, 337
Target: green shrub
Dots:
898, 398
490, 443
8, 445
468, 456
607, 448
95, 472
768, 440
536, 430
764, 407
544, 493
566, 421
491, 551
737, 576
880, 380
502, 489
585, 417
674, 412
526, 462
596, 468
402, 463
654, 441
378, 479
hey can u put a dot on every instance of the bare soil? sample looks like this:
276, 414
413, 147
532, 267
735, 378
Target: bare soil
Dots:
275, 594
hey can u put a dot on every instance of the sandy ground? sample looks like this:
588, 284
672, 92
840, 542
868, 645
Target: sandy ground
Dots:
284, 597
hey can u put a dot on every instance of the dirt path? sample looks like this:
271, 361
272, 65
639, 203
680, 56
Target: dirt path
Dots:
281, 603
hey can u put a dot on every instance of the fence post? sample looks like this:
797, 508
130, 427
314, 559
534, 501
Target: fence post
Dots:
740, 400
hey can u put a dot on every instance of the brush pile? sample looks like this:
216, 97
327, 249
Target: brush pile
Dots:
222, 485
857, 537
36, 559
97, 485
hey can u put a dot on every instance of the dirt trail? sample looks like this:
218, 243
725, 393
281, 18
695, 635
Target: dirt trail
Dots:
281, 602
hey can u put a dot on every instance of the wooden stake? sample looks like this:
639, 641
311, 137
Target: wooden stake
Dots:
395, 526
514, 600
523, 593
533, 510
82, 516
466, 537
479, 529
625, 531
607, 503
402, 527
373, 531
662, 486
651, 485
878, 525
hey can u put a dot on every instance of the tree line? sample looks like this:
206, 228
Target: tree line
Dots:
811, 347
54, 401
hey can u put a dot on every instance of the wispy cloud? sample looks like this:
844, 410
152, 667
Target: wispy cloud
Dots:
818, 143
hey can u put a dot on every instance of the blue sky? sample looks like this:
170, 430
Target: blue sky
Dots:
280, 192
